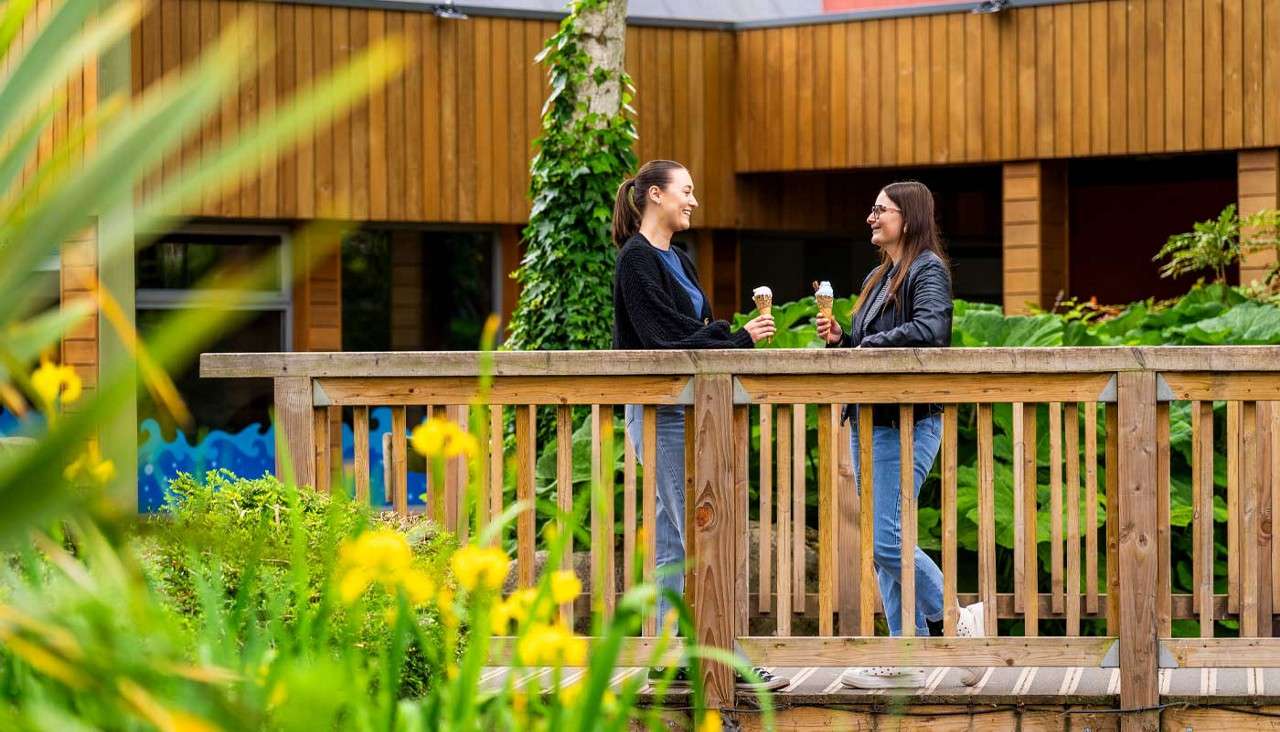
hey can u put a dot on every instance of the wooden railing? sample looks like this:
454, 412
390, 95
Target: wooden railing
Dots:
1107, 410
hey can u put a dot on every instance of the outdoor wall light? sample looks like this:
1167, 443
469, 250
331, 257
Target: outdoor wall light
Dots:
448, 11
987, 7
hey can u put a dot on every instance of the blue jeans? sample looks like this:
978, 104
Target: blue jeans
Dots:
669, 531
887, 499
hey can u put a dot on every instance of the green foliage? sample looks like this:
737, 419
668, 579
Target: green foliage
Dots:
273, 639
247, 533
566, 298
215, 519
1218, 243
1213, 314
246, 607
1212, 245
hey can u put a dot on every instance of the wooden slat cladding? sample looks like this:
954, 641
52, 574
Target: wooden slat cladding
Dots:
1258, 182
1035, 233
1112, 77
77, 282
79, 93
450, 139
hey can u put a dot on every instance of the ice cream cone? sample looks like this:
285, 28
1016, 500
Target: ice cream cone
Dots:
763, 297
825, 297
825, 303
764, 303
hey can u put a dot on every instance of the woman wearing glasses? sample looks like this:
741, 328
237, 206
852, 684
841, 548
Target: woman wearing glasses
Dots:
905, 303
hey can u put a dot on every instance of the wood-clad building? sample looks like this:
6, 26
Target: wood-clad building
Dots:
1064, 142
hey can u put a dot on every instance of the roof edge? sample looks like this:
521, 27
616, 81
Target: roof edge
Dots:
643, 21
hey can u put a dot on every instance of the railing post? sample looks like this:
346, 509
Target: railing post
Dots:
713, 528
1138, 549
294, 429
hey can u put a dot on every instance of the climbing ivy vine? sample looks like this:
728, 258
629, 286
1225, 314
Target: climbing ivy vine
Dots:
566, 296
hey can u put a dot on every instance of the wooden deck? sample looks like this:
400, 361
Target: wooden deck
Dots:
1028, 698
1031, 685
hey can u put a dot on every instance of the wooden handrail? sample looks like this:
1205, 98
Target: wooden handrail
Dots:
752, 362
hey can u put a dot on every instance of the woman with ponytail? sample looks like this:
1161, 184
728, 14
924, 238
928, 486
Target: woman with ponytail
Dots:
658, 304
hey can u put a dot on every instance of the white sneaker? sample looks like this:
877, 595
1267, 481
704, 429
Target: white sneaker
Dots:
971, 623
883, 677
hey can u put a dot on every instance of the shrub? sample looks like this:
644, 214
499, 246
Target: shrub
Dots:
225, 526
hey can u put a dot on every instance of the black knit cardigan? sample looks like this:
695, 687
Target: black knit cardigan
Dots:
651, 310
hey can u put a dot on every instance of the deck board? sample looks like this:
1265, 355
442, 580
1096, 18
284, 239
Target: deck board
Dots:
1028, 685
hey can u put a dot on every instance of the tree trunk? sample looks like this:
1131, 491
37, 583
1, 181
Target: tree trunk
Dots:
602, 34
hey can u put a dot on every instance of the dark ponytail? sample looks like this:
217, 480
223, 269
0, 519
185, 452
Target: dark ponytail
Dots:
628, 207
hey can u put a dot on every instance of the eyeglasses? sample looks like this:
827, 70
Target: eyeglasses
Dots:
877, 210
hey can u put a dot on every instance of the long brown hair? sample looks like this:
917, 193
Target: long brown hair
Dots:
632, 198
919, 235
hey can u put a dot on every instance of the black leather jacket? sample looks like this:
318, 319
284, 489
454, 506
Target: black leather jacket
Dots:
920, 319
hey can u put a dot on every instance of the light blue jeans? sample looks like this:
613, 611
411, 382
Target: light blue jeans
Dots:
887, 499
669, 531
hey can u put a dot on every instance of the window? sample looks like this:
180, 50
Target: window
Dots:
191, 269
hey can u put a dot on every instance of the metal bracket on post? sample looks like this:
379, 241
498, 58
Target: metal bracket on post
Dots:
1108, 393
319, 397
1164, 392
1164, 658
685, 397
740, 395
1112, 657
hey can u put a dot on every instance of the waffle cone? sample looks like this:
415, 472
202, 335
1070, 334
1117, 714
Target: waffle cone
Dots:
825, 304
764, 303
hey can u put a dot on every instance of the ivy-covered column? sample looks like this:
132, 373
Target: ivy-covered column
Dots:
584, 153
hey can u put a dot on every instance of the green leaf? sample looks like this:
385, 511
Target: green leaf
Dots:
1248, 323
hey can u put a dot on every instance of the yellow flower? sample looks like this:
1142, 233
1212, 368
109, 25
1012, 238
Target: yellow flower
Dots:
353, 584
184, 722
383, 552
670, 622
91, 465
551, 644
565, 586
383, 557
429, 437
278, 694
480, 567
519, 604
711, 722
609, 702
570, 694
500, 618
419, 587
444, 601
461, 443
50, 381
442, 438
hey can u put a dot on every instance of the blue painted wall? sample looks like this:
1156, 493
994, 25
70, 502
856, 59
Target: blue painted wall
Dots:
249, 452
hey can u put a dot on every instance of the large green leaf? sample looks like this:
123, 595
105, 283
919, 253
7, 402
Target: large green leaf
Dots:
982, 327
1248, 323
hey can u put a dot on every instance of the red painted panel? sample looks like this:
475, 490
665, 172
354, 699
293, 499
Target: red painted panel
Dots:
846, 6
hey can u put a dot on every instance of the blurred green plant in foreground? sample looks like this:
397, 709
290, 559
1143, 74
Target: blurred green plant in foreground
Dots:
249, 604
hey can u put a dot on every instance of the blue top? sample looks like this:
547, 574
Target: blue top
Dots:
672, 260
